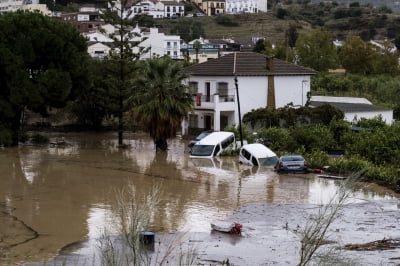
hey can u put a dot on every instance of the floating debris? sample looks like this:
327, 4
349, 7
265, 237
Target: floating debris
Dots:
383, 244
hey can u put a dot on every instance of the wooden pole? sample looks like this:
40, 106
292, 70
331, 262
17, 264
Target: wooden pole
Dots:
240, 116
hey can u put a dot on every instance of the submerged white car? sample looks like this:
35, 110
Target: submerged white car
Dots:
257, 154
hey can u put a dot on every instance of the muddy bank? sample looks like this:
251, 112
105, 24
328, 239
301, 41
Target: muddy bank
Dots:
272, 234
13, 232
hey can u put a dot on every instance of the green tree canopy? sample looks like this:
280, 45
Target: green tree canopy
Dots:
121, 61
43, 64
162, 101
356, 56
316, 50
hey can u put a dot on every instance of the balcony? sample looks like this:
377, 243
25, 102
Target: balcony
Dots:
213, 102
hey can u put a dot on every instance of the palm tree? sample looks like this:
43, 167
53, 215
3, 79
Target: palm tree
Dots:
161, 100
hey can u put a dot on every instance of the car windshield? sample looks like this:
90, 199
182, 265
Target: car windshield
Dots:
202, 150
268, 161
202, 135
292, 158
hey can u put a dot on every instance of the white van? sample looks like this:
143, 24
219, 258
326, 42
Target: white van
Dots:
213, 145
257, 154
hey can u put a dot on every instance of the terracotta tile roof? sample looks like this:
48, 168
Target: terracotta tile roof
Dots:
246, 64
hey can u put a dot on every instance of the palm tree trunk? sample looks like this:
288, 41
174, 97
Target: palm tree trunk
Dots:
161, 144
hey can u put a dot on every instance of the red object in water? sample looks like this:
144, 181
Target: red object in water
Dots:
317, 171
226, 226
236, 229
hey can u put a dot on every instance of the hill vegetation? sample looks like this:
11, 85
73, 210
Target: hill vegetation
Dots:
342, 20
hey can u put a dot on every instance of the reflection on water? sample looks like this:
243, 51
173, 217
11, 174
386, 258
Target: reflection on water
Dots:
67, 193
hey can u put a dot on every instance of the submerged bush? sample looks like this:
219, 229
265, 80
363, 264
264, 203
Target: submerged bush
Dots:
317, 159
39, 139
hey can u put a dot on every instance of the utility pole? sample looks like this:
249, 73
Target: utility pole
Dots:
240, 116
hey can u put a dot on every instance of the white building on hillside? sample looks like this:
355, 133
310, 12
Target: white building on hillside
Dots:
157, 9
246, 6
160, 44
156, 43
11, 5
42, 8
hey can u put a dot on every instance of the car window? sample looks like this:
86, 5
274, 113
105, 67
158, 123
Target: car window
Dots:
202, 150
254, 161
217, 149
228, 141
268, 161
292, 158
246, 154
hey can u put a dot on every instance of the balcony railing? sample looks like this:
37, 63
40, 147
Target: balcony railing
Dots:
208, 101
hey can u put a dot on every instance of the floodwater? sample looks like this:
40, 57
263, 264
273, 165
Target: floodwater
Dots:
54, 196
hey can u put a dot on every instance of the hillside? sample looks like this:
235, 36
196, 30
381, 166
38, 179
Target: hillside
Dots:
392, 4
341, 19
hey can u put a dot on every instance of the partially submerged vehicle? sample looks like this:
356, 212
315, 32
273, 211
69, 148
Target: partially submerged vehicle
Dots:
201, 136
292, 163
256, 154
213, 145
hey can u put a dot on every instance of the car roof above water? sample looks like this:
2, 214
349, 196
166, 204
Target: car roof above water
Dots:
214, 138
259, 150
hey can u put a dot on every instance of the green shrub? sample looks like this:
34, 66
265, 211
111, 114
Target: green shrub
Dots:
385, 174
226, 20
5, 137
246, 134
317, 159
315, 137
281, 13
347, 165
39, 139
23, 137
277, 139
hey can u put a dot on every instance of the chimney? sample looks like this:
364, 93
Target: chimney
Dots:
270, 63
271, 84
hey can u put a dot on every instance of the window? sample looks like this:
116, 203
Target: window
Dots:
175, 44
168, 44
193, 121
227, 142
193, 88
246, 154
223, 89
217, 149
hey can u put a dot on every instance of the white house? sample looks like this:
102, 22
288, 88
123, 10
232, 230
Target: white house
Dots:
155, 43
147, 7
160, 44
42, 8
261, 81
10, 5
157, 9
98, 50
354, 108
245, 6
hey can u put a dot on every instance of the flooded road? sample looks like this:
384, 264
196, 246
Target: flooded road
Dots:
53, 196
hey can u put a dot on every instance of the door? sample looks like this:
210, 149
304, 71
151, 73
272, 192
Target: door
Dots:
207, 122
223, 122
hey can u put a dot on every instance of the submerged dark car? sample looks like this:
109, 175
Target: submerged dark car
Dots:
292, 163
199, 137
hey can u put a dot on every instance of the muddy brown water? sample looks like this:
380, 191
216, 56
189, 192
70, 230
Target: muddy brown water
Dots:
52, 197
